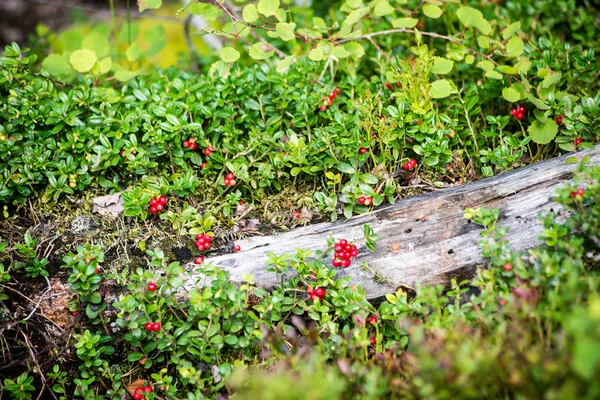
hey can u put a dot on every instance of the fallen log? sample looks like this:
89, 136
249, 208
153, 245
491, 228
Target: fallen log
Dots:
424, 239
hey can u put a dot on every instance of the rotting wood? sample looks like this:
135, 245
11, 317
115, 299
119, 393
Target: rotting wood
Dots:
424, 239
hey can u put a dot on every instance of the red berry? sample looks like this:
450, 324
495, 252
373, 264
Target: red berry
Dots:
74, 313
149, 326
502, 302
199, 260
328, 101
192, 140
389, 85
153, 209
203, 165
162, 200
521, 109
338, 247
193, 146
232, 182
296, 214
362, 199
320, 292
229, 176
156, 326
138, 396
343, 242
148, 389
520, 115
337, 262
368, 201
577, 141
159, 207
346, 263
226, 182
362, 150
152, 286
372, 320
153, 201
236, 247
241, 202
514, 112
573, 194
580, 192
419, 122
323, 107
559, 119
507, 267
373, 341
312, 296
186, 143
206, 246
97, 270
139, 390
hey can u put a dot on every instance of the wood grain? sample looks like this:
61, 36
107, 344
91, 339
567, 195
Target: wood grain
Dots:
424, 239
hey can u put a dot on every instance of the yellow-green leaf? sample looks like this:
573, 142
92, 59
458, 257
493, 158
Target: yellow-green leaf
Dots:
483, 41
250, 13
510, 30
511, 94
83, 60
440, 89
285, 30
485, 65
105, 65
149, 4
432, 11
133, 52
515, 47
285, 63
493, 75
96, 42
316, 54
383, 8
400, 23
261, 51
442, 65
229, 54
268, 8
543, 133
551, 79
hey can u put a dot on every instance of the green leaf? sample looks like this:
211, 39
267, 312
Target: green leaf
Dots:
316, 54
355, 48
440, 89
250, 13
97, 43
268, 8
493, 75
483, 41
229, 54
507, 69
523, 66
132, 357
473, 18
346, 168
432, 11
285, 30
57, 65
515, 47
510, 30
133, 52
149, 4
511, 94
104, 65
83, 60
340, 52
285, 63
442, 65
543, 133
356, 16
383, 8
261, 51
551, 79
209, 12
586, 357
405, 23
485, 65
124, 75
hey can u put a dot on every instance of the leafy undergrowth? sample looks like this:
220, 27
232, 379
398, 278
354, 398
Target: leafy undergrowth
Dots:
133, 317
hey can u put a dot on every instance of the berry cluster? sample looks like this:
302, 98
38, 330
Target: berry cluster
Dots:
157, 204
152, 326
390, 87
152, 287
344, 252
362, 150
318, 293
140, 392
208, 151
190, 143
203, 241
518, 112
329, 100
365, 200
578, 193
229, 179
410, 164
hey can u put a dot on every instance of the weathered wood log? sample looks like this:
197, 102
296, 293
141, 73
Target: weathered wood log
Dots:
424, 239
